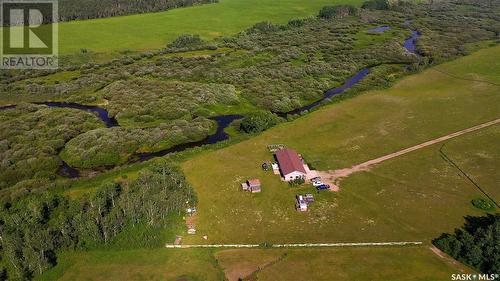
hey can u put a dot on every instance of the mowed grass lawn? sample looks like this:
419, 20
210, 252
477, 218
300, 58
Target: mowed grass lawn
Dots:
155, 30
414, 197
407, 263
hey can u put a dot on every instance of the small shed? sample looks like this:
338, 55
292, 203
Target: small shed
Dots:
252, 185
309, 198
301, 204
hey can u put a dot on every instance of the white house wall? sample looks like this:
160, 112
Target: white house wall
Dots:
294, 175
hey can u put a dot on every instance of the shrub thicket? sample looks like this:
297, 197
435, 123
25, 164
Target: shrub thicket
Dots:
338, 12
259, 121
483, 204
376, 4
185, 41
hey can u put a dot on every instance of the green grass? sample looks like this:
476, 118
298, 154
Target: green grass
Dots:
480, 67
406, 263
393, 201
155, 30
365, 38
367, 263
479, 162
411, 263
158, 264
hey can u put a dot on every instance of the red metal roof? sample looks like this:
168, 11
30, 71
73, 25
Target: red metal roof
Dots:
289, 161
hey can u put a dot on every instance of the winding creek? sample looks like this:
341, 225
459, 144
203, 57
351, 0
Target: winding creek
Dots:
223, 121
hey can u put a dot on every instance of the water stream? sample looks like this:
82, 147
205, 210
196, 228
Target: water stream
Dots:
223, 121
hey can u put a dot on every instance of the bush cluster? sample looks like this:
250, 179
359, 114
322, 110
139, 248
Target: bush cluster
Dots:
259, 121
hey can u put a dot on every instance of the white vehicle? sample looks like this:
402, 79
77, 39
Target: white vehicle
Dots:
317, 183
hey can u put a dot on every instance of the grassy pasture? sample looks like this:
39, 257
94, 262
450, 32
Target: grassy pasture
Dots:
393, 201
408, 263
155, 30
479, 162
157, 264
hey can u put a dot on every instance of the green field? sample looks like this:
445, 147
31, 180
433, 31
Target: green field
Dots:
155, 30
158, 264
408, 263
392, 202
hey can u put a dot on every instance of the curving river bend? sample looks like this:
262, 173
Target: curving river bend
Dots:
223, 121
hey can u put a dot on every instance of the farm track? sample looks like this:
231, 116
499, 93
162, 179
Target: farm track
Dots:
445, 257
336, 175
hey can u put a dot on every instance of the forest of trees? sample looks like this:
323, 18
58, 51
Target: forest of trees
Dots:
35, 228
91, 9
476, 244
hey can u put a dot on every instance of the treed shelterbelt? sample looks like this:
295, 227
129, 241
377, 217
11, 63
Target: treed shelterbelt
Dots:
477, 243
91, 9
33, 229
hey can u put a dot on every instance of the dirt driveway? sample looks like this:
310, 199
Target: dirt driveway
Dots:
333, 177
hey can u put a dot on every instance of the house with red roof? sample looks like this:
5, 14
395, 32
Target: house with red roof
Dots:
290, 164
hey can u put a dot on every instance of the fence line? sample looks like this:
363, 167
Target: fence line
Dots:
295, 245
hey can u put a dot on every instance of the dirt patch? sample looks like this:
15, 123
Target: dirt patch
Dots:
447, 258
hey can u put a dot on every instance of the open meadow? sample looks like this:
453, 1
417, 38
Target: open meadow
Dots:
392, 202
393, 263
155, 30
157, 264
408, 263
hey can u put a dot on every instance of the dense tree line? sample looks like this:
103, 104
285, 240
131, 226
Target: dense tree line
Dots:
91, 9
35, 228
477, 243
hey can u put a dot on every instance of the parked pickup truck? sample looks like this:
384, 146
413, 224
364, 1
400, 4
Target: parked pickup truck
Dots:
322, 187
